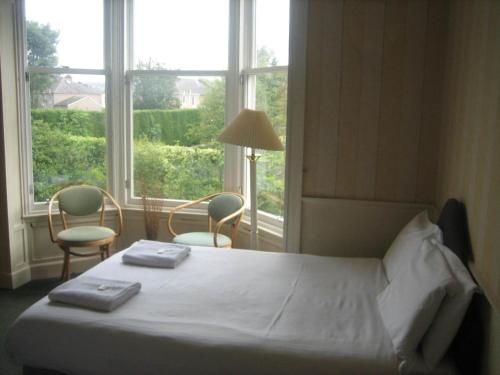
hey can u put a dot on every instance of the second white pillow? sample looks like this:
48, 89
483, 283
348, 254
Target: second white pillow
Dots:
409, 303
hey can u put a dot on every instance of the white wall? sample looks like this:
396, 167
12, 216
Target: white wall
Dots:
16, 246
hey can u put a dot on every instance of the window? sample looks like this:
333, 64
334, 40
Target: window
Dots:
162, 77
267, 80
67, 111
175, 150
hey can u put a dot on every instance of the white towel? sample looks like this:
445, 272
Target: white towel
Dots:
156, 254
95, 293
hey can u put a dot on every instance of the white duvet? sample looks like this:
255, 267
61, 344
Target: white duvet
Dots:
220, 312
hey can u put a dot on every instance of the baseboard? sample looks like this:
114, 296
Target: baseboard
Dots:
5, 280
15, 279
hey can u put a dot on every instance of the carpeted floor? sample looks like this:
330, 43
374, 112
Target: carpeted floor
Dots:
13, 303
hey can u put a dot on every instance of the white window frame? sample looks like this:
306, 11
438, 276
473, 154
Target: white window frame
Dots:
30, 207
232, 155
118, 59
248, 73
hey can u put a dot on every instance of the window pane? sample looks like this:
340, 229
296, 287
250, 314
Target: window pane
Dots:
68, 121
65, 33
176, 121
271, 97
271, 36
187, 34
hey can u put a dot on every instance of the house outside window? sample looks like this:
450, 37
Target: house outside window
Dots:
173, 97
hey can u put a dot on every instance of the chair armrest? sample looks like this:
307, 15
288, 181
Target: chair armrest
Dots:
51, 229
174, 210
225, 219
119, 210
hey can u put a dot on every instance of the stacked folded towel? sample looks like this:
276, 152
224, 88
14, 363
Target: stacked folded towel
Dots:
95, 293
156, 254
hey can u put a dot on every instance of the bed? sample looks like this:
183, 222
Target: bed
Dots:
223, 312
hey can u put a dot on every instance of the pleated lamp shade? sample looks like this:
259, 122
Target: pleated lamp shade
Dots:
252, 129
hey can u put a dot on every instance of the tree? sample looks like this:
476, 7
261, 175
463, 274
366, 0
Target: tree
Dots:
211, 112
265, 58
154, 92
41, 51
271, 97
271, 91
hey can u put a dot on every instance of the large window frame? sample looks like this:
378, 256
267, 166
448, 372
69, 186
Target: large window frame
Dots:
30, 207
248, 74
118, 71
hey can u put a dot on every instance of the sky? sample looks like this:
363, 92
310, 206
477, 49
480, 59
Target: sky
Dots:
180, 34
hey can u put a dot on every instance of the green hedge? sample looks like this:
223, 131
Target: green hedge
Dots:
177, 172
64, 153
170, 127
183, 172
72, 121
60, 159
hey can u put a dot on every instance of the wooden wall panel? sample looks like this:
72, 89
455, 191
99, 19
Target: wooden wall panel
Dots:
469, 162
359, 102
322, 95
369, 103
431, 100
366, 86
391, 94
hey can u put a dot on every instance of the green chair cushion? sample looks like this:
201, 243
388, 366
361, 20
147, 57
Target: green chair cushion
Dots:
85, 233
224, 205
80, 200
202, 239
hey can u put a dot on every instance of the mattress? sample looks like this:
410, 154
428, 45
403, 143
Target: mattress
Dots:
220, 312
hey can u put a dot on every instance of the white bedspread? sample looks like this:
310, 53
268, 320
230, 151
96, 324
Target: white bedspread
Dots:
222, 312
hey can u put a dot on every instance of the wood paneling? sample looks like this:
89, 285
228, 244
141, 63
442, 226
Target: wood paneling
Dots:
469, 162
353, 228
366, 99
323, 93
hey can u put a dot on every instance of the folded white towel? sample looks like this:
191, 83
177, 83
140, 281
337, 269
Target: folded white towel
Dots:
156, 254
95, 293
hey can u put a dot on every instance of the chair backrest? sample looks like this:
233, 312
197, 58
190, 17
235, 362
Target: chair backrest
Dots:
223, 205
80, 200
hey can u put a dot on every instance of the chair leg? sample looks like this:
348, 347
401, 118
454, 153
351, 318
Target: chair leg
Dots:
66, 268
104, 251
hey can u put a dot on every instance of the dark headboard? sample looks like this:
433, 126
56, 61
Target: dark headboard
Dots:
467, 346
453, 224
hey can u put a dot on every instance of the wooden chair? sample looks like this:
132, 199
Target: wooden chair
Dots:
82, 200
223, 208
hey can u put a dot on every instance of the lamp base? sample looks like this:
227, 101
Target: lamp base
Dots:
252, 158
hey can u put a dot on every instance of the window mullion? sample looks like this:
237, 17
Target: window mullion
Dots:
24, 109
233, 158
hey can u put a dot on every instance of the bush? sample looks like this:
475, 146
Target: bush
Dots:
271, 182
72, 121
60, 159
66, 151
171, 127
178, 172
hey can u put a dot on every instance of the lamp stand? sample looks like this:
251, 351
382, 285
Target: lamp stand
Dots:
252, 158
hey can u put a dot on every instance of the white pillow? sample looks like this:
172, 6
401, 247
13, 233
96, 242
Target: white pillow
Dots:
407, 242
410, 302
451, 312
